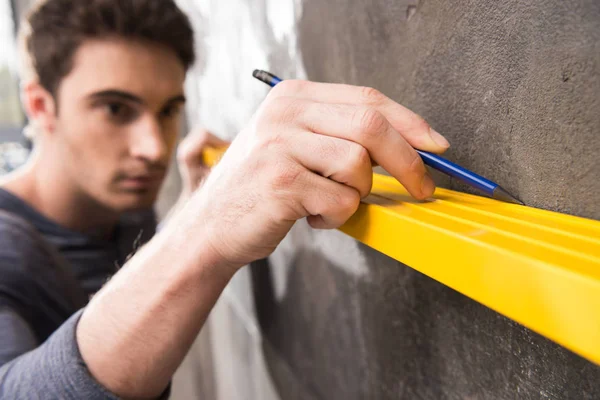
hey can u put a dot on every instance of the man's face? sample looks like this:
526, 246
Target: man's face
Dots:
118, 120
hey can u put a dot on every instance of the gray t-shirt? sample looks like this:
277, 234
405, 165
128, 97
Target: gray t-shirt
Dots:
47, 274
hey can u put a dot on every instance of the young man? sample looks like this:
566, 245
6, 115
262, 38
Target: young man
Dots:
104, 91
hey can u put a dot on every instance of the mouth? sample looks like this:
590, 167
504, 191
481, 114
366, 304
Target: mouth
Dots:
141, 182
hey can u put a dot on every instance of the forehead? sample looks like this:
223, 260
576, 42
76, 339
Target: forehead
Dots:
150, 71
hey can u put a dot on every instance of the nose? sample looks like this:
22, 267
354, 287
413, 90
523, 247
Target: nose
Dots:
148, 142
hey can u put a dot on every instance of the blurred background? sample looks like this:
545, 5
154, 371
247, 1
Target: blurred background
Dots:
14, 147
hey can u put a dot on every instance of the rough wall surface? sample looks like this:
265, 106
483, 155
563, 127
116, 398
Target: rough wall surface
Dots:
514, 85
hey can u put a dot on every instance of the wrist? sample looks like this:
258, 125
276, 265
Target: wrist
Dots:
188, 237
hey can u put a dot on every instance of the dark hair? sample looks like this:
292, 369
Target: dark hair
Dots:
54, 30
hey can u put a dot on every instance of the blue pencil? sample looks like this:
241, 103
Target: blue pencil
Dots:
433, 160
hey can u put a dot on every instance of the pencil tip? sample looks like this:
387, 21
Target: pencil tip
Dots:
503, 195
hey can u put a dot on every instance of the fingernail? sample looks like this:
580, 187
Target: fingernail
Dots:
439, 139
427, 185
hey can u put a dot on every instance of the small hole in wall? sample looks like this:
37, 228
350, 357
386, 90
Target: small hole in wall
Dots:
410, 11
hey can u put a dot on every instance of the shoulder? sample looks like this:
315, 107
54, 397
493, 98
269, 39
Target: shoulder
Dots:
23, 253
21, 259
33, 281
19, 239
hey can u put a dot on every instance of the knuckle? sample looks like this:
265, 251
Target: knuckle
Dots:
421, 125
287, 88
371, 123
279, 112
328, 149
285, 177
287, 109
371, 95
348, 202
359, 158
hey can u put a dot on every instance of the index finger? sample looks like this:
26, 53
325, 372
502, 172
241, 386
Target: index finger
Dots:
413, 128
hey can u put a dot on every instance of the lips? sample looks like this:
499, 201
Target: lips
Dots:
138, 182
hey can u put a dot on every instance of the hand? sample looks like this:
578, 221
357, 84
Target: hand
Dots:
307, 152
189, 158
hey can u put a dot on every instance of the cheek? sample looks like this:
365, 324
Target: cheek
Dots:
90, 151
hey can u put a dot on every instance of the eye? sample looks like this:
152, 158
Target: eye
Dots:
114, 108
120, 112
170, 111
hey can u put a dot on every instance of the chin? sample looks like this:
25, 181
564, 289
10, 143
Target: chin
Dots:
134, 202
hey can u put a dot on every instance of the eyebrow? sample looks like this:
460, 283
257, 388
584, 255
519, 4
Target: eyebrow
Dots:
131, 97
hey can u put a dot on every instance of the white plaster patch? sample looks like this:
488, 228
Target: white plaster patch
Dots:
340, 250
234, 38
281, 16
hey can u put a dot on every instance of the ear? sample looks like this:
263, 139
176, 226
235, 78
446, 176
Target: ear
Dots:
39, 105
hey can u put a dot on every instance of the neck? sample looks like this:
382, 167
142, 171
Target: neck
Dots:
44, 186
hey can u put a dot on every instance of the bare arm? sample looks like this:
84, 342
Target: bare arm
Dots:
136, 331
306, 153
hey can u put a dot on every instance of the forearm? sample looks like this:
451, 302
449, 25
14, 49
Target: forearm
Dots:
182, 200
136, 331
189, 188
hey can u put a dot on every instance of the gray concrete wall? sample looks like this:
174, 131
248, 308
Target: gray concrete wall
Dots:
514, 85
